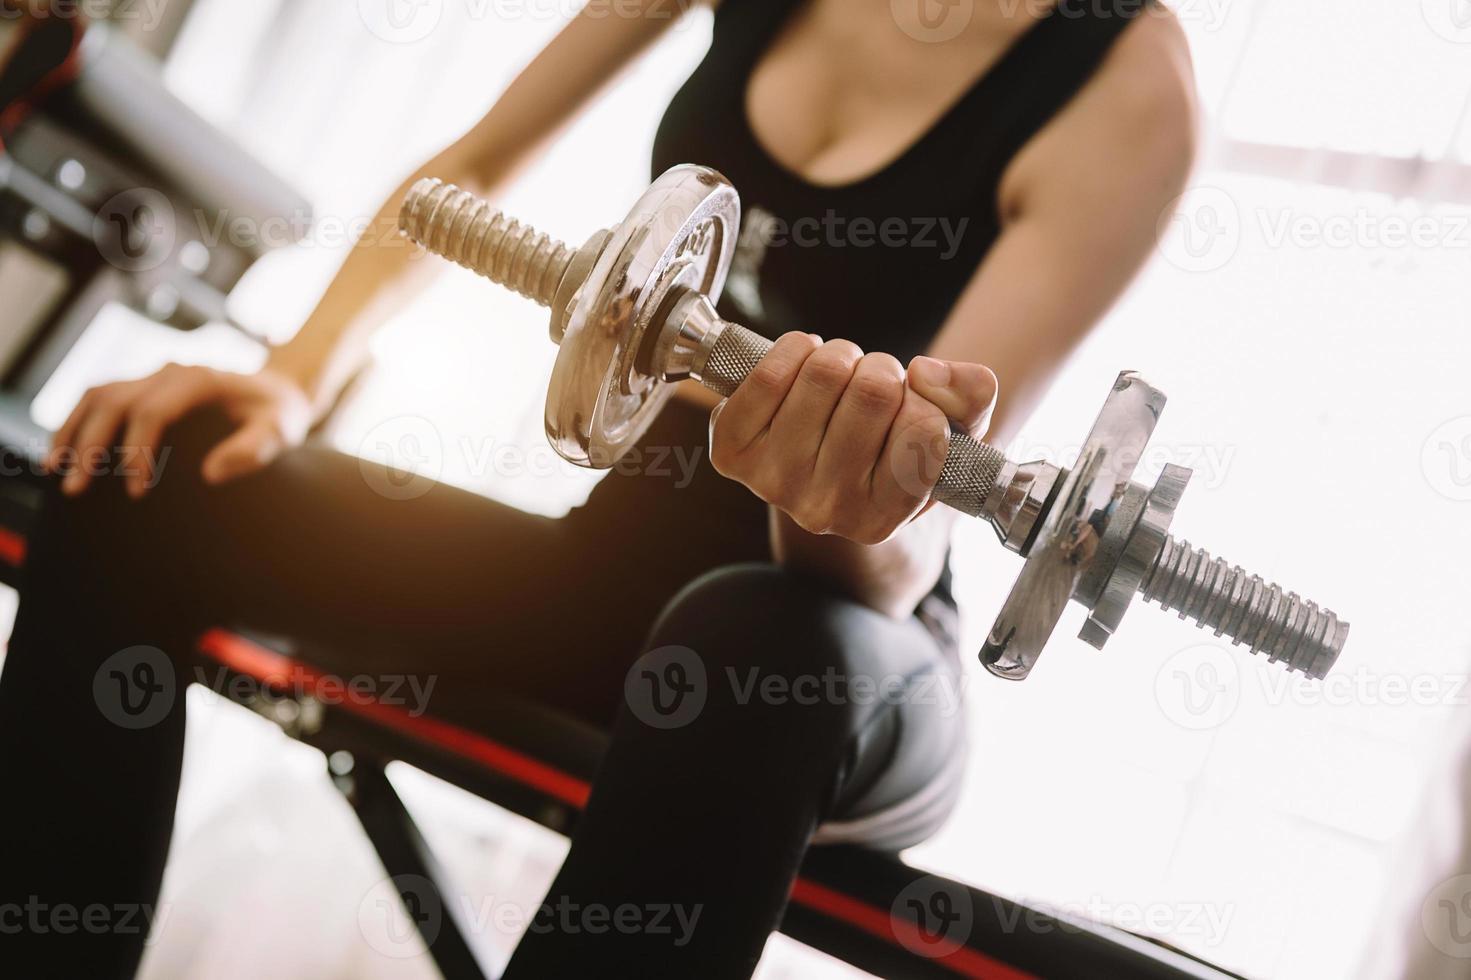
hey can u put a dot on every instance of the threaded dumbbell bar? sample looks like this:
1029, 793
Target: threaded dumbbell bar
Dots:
459, 226
977, 479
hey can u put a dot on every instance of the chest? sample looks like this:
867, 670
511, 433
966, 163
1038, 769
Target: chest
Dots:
843, 88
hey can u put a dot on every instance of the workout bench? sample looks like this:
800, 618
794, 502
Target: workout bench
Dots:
843, 903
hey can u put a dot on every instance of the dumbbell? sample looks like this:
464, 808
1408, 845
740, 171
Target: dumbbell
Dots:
633, 311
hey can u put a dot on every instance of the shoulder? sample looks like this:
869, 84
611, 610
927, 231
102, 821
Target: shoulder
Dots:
1133, 125
1148, 81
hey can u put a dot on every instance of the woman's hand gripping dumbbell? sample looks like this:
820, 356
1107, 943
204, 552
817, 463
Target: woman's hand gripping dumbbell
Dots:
633, 310
844, 442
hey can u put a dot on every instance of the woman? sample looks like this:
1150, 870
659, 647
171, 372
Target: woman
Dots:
935, 194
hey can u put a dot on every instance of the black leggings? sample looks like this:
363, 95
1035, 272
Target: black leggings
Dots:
813, 711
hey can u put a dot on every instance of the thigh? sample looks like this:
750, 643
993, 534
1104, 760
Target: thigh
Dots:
365, 574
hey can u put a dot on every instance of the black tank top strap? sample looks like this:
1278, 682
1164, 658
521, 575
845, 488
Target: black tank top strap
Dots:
745, 29
1036, 78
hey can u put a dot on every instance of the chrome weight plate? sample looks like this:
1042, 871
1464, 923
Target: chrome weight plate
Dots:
1073, 529
681, 232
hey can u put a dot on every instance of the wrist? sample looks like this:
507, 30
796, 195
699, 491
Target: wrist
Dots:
303, 374
881, 576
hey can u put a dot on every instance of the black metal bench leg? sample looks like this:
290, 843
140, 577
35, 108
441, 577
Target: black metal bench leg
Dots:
421, 881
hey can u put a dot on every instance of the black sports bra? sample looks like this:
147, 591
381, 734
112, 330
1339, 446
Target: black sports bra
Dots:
880, 261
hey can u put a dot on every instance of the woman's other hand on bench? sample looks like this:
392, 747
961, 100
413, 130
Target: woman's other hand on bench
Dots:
270, 412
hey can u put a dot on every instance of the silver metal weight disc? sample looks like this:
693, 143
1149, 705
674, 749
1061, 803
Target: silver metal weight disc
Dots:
1068, 540
681, 232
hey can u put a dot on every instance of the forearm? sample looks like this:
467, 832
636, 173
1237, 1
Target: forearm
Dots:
381, 272
379, 276
891, 577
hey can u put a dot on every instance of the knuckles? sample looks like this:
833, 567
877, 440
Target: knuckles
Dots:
876, 385
857, 521
874, 390
831, 367
105, 396
147, 412
919, 447
769, 375
775, 372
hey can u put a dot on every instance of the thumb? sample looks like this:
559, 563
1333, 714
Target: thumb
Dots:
965, 392
250, 448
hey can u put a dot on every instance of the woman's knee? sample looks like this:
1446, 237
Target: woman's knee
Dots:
758, 616
760, 650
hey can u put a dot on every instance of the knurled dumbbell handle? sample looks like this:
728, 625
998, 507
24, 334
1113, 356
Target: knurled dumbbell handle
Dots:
971, 467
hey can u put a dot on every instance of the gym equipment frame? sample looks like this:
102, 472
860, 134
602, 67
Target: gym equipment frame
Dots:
861, 906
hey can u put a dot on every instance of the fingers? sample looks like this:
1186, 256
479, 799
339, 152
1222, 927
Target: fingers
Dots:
913, 456
843, 442
965, 392
250, 448
61, 442
748, 413
93, 439
860, 424
802, 420
148, 419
